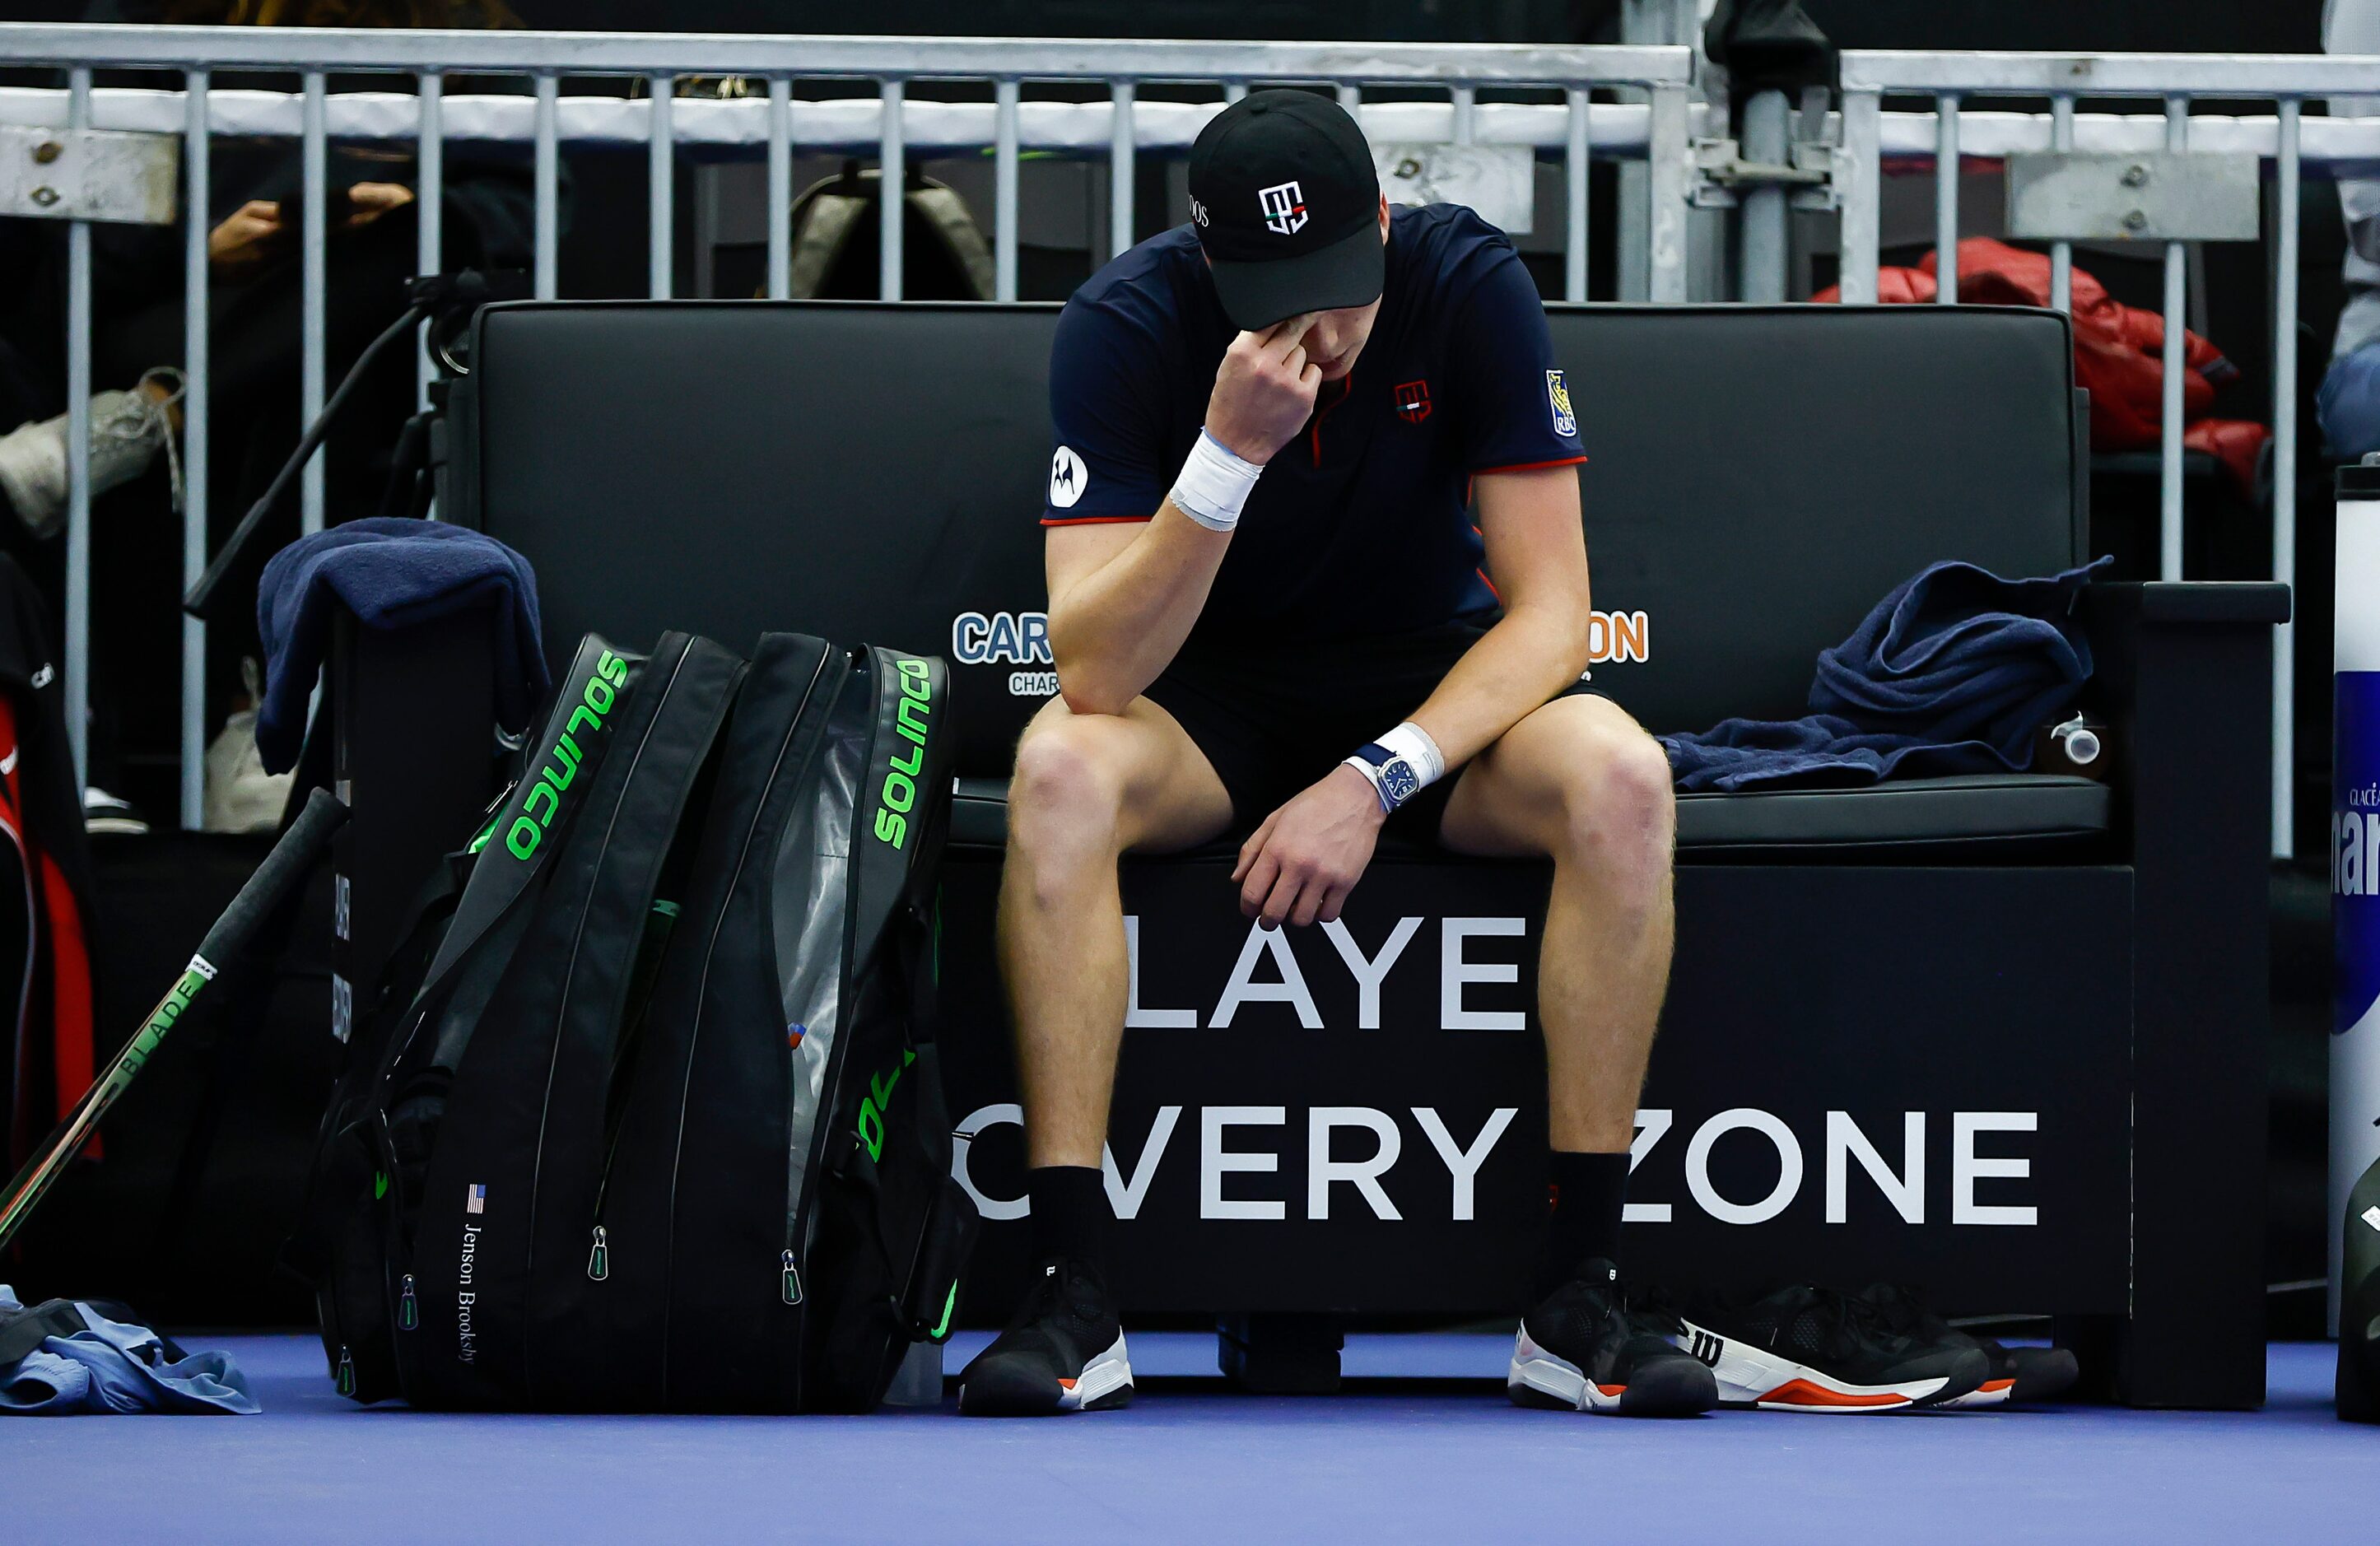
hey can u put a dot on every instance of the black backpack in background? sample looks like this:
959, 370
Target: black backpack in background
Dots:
657, 1123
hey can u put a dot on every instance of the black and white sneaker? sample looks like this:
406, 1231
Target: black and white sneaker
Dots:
2018, 1376
1064, 1352
1584, 1350
1803, 1349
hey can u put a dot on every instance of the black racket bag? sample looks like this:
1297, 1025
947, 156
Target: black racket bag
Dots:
661, 1127
388, 1107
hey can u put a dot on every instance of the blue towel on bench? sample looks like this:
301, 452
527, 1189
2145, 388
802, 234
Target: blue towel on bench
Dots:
391, 573
1956, 672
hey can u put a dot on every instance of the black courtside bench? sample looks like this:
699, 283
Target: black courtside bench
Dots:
2001, 1035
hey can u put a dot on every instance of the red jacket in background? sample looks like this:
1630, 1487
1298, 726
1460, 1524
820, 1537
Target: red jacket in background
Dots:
2118, 353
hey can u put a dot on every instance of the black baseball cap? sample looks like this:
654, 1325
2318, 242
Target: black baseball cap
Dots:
1286, 204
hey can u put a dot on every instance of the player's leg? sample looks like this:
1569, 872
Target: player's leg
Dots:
1578, 782
1088, 788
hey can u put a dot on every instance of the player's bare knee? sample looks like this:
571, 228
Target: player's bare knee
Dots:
1619, 812
1066, 799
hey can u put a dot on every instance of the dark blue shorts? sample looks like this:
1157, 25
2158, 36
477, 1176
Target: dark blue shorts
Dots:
1273, 720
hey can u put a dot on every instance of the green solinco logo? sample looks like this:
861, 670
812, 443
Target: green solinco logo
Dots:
528, 828
899, 779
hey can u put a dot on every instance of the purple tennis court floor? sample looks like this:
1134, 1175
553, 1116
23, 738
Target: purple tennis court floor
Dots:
1436, 1455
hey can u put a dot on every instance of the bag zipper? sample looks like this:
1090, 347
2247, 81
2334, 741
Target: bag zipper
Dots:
831, 1085
638, 994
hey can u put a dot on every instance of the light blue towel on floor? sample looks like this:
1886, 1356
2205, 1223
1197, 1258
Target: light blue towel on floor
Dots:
111, 1365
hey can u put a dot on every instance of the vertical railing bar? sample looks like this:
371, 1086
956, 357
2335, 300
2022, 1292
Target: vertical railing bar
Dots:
313, 239
891, 202
2061, 253
198, 203
2170, 527
2285, 480
1234, 89
1005, 95
547, 197
1350, 96
1946, 200
1465, 99
1120, 167
1664, 195
661, 210
1574, 172
781, 187
1857, 179
429, 196
78, 708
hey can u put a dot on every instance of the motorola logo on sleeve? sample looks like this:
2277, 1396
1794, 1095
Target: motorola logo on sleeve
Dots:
1068, 478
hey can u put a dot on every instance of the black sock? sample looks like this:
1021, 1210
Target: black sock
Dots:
1070, 1213
1589, 1192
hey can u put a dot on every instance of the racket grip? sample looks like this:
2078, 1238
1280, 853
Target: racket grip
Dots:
282, 869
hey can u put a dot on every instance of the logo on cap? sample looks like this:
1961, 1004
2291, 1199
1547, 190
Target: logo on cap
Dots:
1198, 212
1285, 208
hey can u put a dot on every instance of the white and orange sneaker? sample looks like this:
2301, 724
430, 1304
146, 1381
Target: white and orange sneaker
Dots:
1063, 1353
1804, 1350
1583, 1349
2019, 1375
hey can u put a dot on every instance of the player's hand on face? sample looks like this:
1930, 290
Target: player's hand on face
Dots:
1309, 855
1264, 390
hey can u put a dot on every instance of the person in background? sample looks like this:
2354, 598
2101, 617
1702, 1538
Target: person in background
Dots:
2348, 405
255, 306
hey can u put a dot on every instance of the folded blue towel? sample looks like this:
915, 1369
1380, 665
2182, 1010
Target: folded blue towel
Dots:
392, 574
1953, 673
113, 1365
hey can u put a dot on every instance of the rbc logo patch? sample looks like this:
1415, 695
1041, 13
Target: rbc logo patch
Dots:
1068, 478
1558, 395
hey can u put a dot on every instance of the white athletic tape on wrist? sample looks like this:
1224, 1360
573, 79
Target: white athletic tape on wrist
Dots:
1213, 484
1400, 764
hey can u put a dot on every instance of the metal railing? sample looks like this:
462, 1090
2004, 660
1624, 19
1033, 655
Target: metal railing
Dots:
1563, 125
893, 126
2175, 82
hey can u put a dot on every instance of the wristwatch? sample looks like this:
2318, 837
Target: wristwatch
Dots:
1393, 777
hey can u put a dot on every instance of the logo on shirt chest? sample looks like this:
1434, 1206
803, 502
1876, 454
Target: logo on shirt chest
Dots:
1413, 401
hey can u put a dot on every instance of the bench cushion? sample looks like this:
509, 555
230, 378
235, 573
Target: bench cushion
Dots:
1981, 812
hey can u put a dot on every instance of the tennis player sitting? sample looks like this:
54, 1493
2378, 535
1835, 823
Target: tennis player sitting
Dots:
1268, 610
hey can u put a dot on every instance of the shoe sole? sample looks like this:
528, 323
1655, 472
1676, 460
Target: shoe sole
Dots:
1013, 1388
1679, 1389
1998, 1391
1750, 1376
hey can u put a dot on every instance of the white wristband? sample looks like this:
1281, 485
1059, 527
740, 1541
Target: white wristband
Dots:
1213, 484
1400, 764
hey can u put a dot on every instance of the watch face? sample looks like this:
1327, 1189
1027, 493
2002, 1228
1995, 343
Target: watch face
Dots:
1397, 782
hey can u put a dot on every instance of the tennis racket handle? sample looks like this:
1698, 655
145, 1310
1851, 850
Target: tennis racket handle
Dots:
282, 870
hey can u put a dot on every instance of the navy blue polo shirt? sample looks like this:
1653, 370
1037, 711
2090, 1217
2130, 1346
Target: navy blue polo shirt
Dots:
1361, 524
